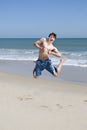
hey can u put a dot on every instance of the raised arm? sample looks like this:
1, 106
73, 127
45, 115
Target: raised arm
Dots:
55, 52
38, 43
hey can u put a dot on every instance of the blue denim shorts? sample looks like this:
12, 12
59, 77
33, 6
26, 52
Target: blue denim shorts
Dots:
44, 64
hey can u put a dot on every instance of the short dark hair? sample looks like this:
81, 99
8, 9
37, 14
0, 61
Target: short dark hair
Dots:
53, 35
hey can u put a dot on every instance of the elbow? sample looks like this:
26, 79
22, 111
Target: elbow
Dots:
34, 44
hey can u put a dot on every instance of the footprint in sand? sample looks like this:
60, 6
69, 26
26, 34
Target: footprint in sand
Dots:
25, 98
60, 106
85, 101
69, 105
44, 106
51, 108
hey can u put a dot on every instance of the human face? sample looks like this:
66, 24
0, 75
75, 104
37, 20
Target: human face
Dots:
52, 38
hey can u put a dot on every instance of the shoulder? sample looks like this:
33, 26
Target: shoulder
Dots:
43, 39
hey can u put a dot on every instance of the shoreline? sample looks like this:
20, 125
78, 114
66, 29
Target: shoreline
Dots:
71, 74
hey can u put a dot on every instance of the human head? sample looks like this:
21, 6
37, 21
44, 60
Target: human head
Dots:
53, 34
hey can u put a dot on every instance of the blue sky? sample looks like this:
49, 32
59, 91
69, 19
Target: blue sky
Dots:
36, 18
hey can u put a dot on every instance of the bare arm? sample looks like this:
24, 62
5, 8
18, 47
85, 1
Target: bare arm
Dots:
55, 52
38, 43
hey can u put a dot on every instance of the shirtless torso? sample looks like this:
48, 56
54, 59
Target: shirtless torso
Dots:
46, 48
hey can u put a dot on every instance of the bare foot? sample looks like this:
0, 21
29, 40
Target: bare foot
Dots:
63, 60
35, 76
60, 66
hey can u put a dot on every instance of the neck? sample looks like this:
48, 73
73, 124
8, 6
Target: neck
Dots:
49, 42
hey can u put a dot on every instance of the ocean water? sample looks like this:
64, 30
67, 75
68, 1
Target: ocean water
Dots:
22, 49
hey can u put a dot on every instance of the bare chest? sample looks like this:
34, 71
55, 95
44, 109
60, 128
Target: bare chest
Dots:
49, 47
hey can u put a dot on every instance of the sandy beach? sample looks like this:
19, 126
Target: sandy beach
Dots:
29, 32
41, 104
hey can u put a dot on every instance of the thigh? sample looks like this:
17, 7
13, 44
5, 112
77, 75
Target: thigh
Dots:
38, 68
50, 68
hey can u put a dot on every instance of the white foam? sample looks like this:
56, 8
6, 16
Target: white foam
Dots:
73, 58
